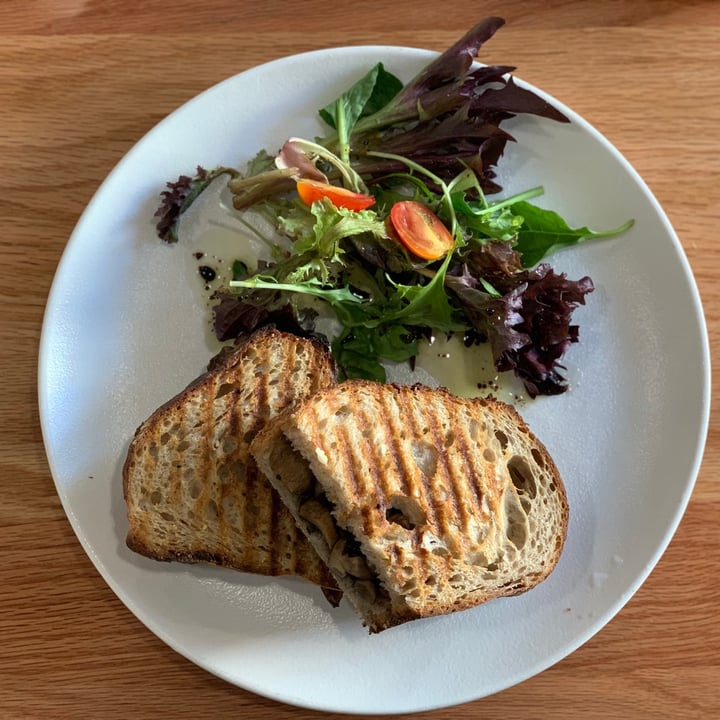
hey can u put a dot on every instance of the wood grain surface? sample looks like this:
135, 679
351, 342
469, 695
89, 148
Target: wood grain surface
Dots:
82, 80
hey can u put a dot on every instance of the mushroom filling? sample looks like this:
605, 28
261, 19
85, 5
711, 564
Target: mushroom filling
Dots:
314, 508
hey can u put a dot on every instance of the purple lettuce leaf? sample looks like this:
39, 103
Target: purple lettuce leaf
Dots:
454, 133
481, 159
449, 115
180, 195
528, 322
236, 316
437, 83
515, 100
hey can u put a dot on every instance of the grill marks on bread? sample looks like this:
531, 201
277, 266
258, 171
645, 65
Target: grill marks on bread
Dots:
402, 451
192, 489
423, 503
452, 502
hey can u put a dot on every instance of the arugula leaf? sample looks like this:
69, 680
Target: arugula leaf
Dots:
367, 96
311, 286
544, 231
375, 90
387, 86
427, 305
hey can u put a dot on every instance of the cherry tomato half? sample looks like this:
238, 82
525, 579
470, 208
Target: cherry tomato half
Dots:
420, 230
312, 190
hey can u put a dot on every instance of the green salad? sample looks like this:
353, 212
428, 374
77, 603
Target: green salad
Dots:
394, 222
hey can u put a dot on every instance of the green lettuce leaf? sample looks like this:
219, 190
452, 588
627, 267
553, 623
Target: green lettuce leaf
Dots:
359, 350
327, 226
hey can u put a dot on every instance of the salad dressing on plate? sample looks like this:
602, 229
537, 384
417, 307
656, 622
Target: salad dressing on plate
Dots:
465, 371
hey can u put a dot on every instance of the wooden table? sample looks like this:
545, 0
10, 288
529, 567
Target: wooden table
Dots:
82, 80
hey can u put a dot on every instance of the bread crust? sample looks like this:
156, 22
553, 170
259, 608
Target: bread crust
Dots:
453, 501
192, 490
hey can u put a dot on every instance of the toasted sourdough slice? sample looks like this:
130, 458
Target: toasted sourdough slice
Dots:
192, 489
421, 503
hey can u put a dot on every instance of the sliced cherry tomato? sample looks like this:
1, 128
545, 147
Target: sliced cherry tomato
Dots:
420, 230
312, 190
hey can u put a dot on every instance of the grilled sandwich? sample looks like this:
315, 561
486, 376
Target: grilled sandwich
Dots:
420, 502
192, 489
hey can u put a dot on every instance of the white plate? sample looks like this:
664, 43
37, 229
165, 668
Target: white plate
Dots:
124, 331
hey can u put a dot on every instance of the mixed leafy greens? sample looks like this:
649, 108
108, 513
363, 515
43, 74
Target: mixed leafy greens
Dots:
386, 222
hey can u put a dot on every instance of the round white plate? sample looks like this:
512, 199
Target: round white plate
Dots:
125, 330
